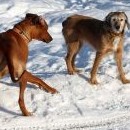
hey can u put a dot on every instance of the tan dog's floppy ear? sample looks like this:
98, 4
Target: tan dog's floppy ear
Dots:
108, 17
127, 21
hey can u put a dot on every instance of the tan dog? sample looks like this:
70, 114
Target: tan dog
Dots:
14, 53
105, 36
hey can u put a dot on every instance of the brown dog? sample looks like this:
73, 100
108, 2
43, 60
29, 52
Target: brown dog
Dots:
14, 53
105, 36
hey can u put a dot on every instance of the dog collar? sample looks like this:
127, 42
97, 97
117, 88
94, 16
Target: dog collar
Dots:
22, 33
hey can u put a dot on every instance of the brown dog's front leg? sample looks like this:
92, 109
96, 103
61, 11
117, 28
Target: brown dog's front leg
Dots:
118, 56
97, 61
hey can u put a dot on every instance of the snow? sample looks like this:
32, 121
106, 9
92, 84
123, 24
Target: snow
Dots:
79, 105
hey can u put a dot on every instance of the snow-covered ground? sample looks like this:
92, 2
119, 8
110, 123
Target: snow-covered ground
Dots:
79, 105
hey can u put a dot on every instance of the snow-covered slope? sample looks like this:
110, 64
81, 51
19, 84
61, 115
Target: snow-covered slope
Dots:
79, 105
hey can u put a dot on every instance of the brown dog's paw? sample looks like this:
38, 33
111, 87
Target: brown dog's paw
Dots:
125, 81
93, 81
53, 91
48, 89
27, 114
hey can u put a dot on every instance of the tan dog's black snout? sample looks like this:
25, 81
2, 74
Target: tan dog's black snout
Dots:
117, 26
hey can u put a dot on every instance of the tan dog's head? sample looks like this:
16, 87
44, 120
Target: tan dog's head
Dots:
38, 27
117, 21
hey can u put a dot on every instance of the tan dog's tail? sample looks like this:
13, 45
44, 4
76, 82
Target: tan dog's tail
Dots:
68, 31
64, 23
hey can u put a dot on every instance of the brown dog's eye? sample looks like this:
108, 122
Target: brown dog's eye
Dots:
121, 20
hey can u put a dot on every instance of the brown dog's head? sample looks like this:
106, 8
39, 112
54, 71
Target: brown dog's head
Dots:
117, 21
37, 27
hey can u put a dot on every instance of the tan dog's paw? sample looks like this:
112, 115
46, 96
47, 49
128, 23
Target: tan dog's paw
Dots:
93, 81
77, 70
125, 81
71, 72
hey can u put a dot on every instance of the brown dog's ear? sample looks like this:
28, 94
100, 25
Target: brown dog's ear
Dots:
33, 17
127, 21
36, 20
29, 15
42, 21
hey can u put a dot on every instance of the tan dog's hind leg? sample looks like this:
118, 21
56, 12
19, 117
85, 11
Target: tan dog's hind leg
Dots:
73, 58
118, 57
28, 77
98, 58
73, 49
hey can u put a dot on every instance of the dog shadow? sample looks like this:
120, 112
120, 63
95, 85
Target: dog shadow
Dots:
5, 110
17, 85
9, 84
83, 77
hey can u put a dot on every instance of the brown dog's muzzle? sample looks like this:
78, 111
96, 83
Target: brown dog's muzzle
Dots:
48, 38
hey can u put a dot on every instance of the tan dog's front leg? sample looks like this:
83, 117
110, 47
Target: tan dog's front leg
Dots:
118, 56
98, 58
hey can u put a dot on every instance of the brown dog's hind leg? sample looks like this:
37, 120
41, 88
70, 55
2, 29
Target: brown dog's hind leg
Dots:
118, 57
98, 58
28, 77
23, 84
73, 49
37, 81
